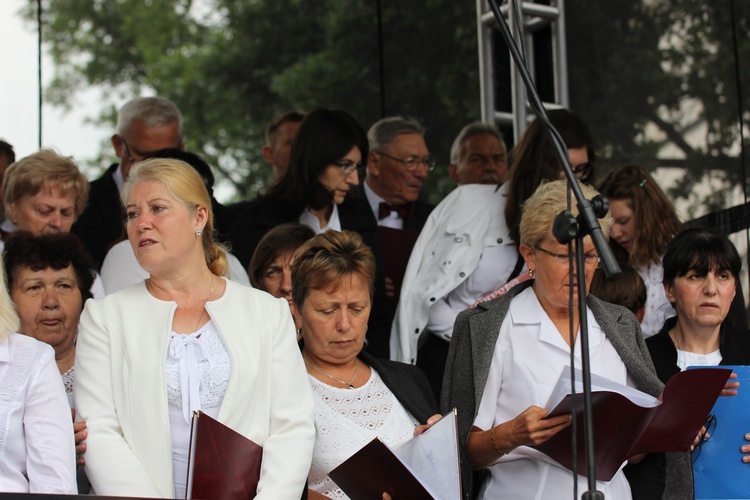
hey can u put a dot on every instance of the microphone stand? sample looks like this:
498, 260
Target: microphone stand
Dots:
565, 229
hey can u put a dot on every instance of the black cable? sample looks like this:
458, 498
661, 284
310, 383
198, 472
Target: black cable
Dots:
39, 65
381, 57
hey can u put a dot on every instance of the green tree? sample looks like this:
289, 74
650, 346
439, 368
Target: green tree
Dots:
667, 63
231, 66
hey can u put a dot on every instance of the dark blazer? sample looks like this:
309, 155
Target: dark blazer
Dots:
101, 223
407, 383
470, 356
422, 211
261, 215
734, 345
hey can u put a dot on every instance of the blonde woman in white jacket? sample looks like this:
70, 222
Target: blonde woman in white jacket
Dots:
184, 340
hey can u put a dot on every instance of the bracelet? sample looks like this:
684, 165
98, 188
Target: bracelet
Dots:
494, 445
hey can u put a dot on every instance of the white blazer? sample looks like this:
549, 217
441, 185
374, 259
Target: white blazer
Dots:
121, 390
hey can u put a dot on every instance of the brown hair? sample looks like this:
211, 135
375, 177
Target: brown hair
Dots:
281, 239
44, 170
534, 161
326, 259
628, 290
655, 216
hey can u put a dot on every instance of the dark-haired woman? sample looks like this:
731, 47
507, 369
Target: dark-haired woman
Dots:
328, 150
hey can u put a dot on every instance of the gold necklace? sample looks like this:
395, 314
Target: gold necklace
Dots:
343, 382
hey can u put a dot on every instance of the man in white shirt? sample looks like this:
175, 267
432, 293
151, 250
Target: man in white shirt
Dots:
478, 155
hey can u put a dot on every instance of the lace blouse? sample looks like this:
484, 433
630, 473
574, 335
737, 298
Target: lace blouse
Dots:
197, 372
348, 419
67, 379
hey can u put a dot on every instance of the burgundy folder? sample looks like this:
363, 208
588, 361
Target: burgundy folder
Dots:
223, 464
622, 429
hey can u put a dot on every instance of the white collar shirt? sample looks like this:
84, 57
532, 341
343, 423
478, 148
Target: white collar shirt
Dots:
392, 220
529, 357
311, 221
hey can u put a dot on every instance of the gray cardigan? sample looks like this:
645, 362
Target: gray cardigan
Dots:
470, 356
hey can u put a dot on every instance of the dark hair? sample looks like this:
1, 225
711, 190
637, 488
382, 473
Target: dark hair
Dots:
326, 259
654, 214
534, 161
191, 159
700, 250
7, 150
324, 137
281, 239
628, 291
57, 251
291, 116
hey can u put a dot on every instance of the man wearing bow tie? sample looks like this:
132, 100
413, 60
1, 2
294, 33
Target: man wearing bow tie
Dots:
397, 166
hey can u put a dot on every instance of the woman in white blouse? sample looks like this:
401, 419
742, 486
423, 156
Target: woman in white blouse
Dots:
357, 396
506, 355
49, 277
37, 453
185, 340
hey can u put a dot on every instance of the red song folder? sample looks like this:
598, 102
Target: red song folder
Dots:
223, 464
628, 422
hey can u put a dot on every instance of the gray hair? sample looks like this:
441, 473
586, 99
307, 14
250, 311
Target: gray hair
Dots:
470, 130
151, 111
384, 131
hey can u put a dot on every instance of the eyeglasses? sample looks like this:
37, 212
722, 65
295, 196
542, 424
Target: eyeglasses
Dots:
348, 167
131, 157
710, 427
583, 171
591, 259
411, 163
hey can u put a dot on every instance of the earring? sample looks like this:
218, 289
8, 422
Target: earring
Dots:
531, 273
198, 232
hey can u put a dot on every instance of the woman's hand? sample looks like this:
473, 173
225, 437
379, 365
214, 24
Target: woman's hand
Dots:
421, 428
745, 448
79, 431
531, 428
730, 389
528, 428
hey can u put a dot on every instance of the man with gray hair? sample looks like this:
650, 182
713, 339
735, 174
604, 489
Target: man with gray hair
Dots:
397, 166
478, 155
144, 125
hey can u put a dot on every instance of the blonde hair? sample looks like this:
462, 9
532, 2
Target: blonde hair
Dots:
44, 170
9, 320
184, 183
542, 207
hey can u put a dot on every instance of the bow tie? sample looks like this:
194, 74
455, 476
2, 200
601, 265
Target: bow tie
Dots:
405, 210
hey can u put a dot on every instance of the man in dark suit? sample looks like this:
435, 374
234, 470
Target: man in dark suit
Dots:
144, 125
388, 200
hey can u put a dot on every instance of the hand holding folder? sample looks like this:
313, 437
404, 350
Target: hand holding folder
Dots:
423, 468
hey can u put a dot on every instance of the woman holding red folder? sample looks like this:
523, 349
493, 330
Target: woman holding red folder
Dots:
506, 354
357, 397
185, 340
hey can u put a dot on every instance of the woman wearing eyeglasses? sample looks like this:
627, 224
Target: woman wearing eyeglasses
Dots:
327, 153
506, 355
